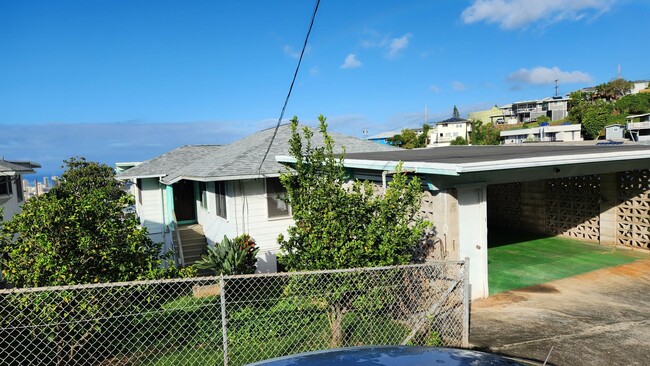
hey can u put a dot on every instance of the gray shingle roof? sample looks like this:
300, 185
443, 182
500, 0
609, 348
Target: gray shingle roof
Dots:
17, 167
238, 160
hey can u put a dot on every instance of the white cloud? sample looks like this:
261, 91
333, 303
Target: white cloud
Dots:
351, 62
435, 89
289, 51
398, 44
512, 14
458, 86
545, 75
314, 71
391, 46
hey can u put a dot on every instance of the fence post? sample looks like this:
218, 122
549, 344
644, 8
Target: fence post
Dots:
466, 303
224, 328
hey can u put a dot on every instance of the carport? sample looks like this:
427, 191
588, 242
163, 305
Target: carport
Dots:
599, 193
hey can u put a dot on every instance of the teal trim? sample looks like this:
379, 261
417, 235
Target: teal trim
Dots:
187, 222
170, 204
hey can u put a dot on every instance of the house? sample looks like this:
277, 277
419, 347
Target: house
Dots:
494, 115
591, 192
640, 86
639, 126
12, 194
546, 133
448, 130
555, 108
192, 196
383, 137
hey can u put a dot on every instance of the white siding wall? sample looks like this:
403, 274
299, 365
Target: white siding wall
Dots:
216, 227
253, 219
247, 214
151, 211
9, 203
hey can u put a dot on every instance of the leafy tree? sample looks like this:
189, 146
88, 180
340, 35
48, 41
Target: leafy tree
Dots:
595, 119
423, 138
458, 141
341, 225
614, 89
484, 134
408, 139
633, 104
78, 233
455, 114
579, 101
231, 257
543, 119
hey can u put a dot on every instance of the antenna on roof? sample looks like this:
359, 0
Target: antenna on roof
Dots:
556, 80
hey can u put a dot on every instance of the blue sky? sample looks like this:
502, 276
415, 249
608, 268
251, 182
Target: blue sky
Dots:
128, 80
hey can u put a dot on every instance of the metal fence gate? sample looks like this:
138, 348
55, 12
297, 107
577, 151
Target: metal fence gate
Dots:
233, 320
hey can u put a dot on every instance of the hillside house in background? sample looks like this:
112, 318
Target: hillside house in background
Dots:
640, 86
546, 133
383, 137
639, 127
194, 195
448, 130
12, 194
554, 108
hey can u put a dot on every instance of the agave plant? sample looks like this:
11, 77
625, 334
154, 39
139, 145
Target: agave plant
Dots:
230, 257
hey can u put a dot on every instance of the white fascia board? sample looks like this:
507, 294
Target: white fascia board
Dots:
388, 165
222, 178
123, 177
552, 160
415, 167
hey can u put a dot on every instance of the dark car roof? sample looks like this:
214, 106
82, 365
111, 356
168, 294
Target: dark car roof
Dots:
390, 356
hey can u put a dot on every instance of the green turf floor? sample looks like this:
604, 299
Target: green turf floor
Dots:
518, 259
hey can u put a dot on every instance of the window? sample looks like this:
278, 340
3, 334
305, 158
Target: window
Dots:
274, 194
19, 189
220, 199
5, 185
203, 195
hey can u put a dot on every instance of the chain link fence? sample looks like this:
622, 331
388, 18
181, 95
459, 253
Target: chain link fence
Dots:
234, 320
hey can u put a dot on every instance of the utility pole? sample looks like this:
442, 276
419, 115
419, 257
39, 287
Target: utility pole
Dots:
426, 112
619, 71
556, 80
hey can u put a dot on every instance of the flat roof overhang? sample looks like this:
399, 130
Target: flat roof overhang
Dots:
454, 167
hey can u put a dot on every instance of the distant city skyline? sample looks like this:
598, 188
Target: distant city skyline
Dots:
130, 80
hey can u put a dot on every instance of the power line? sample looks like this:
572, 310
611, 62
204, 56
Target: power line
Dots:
295, 74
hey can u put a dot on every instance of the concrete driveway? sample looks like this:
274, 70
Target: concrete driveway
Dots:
597, 318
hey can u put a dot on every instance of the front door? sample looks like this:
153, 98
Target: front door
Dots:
184, 202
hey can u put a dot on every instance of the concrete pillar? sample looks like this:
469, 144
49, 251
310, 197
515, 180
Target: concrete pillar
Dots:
608, 204
472, 224
443, 212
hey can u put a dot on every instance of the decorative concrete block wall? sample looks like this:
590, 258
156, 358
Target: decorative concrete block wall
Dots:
633, 209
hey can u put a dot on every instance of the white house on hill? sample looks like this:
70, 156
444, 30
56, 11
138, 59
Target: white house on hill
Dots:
194, 195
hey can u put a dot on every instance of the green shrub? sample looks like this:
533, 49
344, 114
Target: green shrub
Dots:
231, 257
